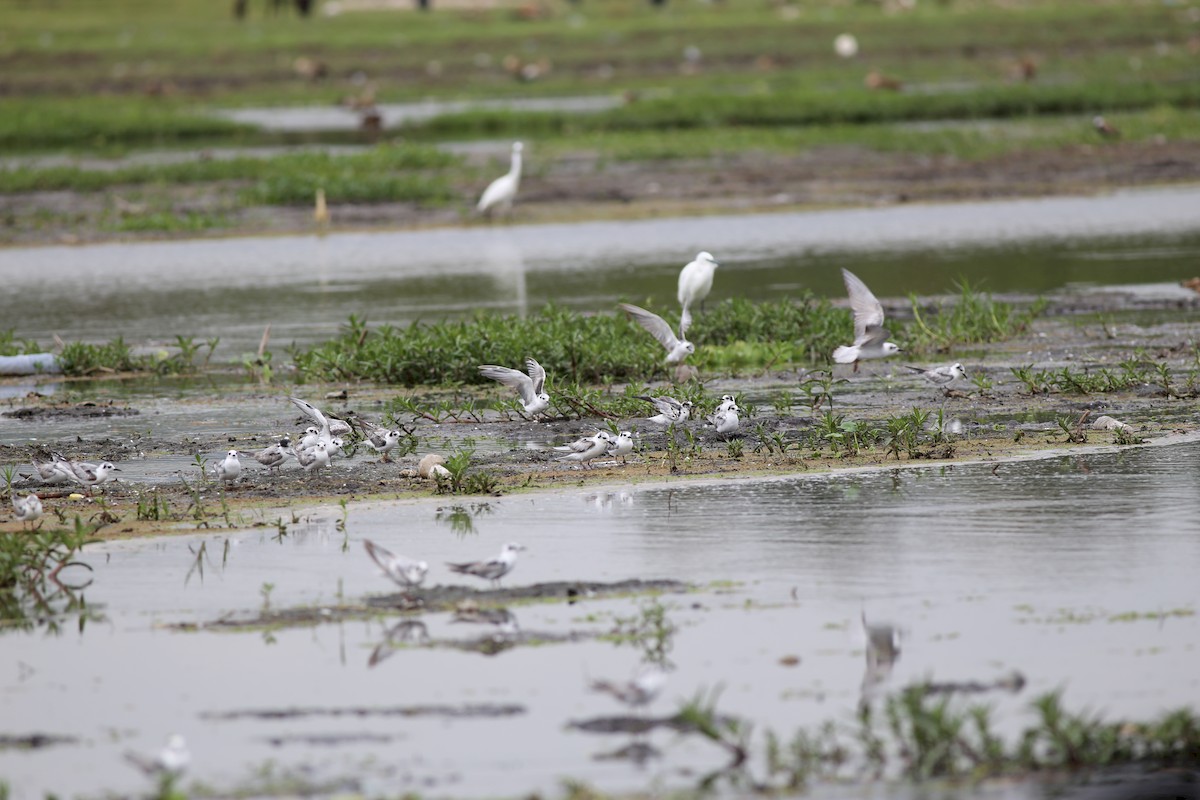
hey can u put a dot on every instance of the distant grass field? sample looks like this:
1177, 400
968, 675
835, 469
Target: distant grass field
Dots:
977, 78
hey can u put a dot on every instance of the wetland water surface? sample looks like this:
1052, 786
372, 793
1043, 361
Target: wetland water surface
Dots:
1078, 571
305, 287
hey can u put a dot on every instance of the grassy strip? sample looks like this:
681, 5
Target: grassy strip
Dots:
384, 173
733, 335
703, 110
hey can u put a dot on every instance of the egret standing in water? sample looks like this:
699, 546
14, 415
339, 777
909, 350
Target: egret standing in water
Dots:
501, 192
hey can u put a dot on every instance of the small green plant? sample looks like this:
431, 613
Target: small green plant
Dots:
1074, 431
734, 448
8, 473
973, 318
819, 388
651, 631
265, 591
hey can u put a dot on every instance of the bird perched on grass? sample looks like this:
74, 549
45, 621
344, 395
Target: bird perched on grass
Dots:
940, 376
407, 573
870, 337
501, 192
27, 508
678, 347
494, 568
531, 387
695, 280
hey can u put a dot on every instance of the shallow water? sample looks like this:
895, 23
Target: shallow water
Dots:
1030, 568
305, 287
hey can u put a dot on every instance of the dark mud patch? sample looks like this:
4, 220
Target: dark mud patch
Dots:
485, 710
435, 599
75, 411
34, 741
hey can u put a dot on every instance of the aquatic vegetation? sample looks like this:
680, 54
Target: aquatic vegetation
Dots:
921, 735
972, 318
573, 347
462, 480
11, 346
1130, 373
650, 631
82, 358
32, 591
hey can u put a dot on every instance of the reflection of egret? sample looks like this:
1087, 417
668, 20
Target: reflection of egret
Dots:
502, 261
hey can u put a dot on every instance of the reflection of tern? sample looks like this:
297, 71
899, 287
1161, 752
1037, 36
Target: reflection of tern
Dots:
27, 508
669, 409
171, 761
494, 568
503, 619
531, 387
229, 469
640, 691
870, 337
406, 572
941, 376
410, 631
273, 456
678, 347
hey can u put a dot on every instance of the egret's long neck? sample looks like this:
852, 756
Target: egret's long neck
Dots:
515, 169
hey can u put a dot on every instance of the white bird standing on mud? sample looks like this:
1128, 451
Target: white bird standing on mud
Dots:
501, 192
273, 456
329, 426
621, 446
55, 471
669, 409
587, 449
27, 508
229, 469
870, 337
725, 419
314, 458
695, 280
941, 376
531, 387
87, 474
494, 568
678, 347
406, 572
380, 439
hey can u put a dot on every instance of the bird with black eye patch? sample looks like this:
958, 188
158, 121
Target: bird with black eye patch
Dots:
494, 568
870, 337
229, 469
940, 376
273, 456
531, 388
669, 409
380, 439
621, 446
678, 347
